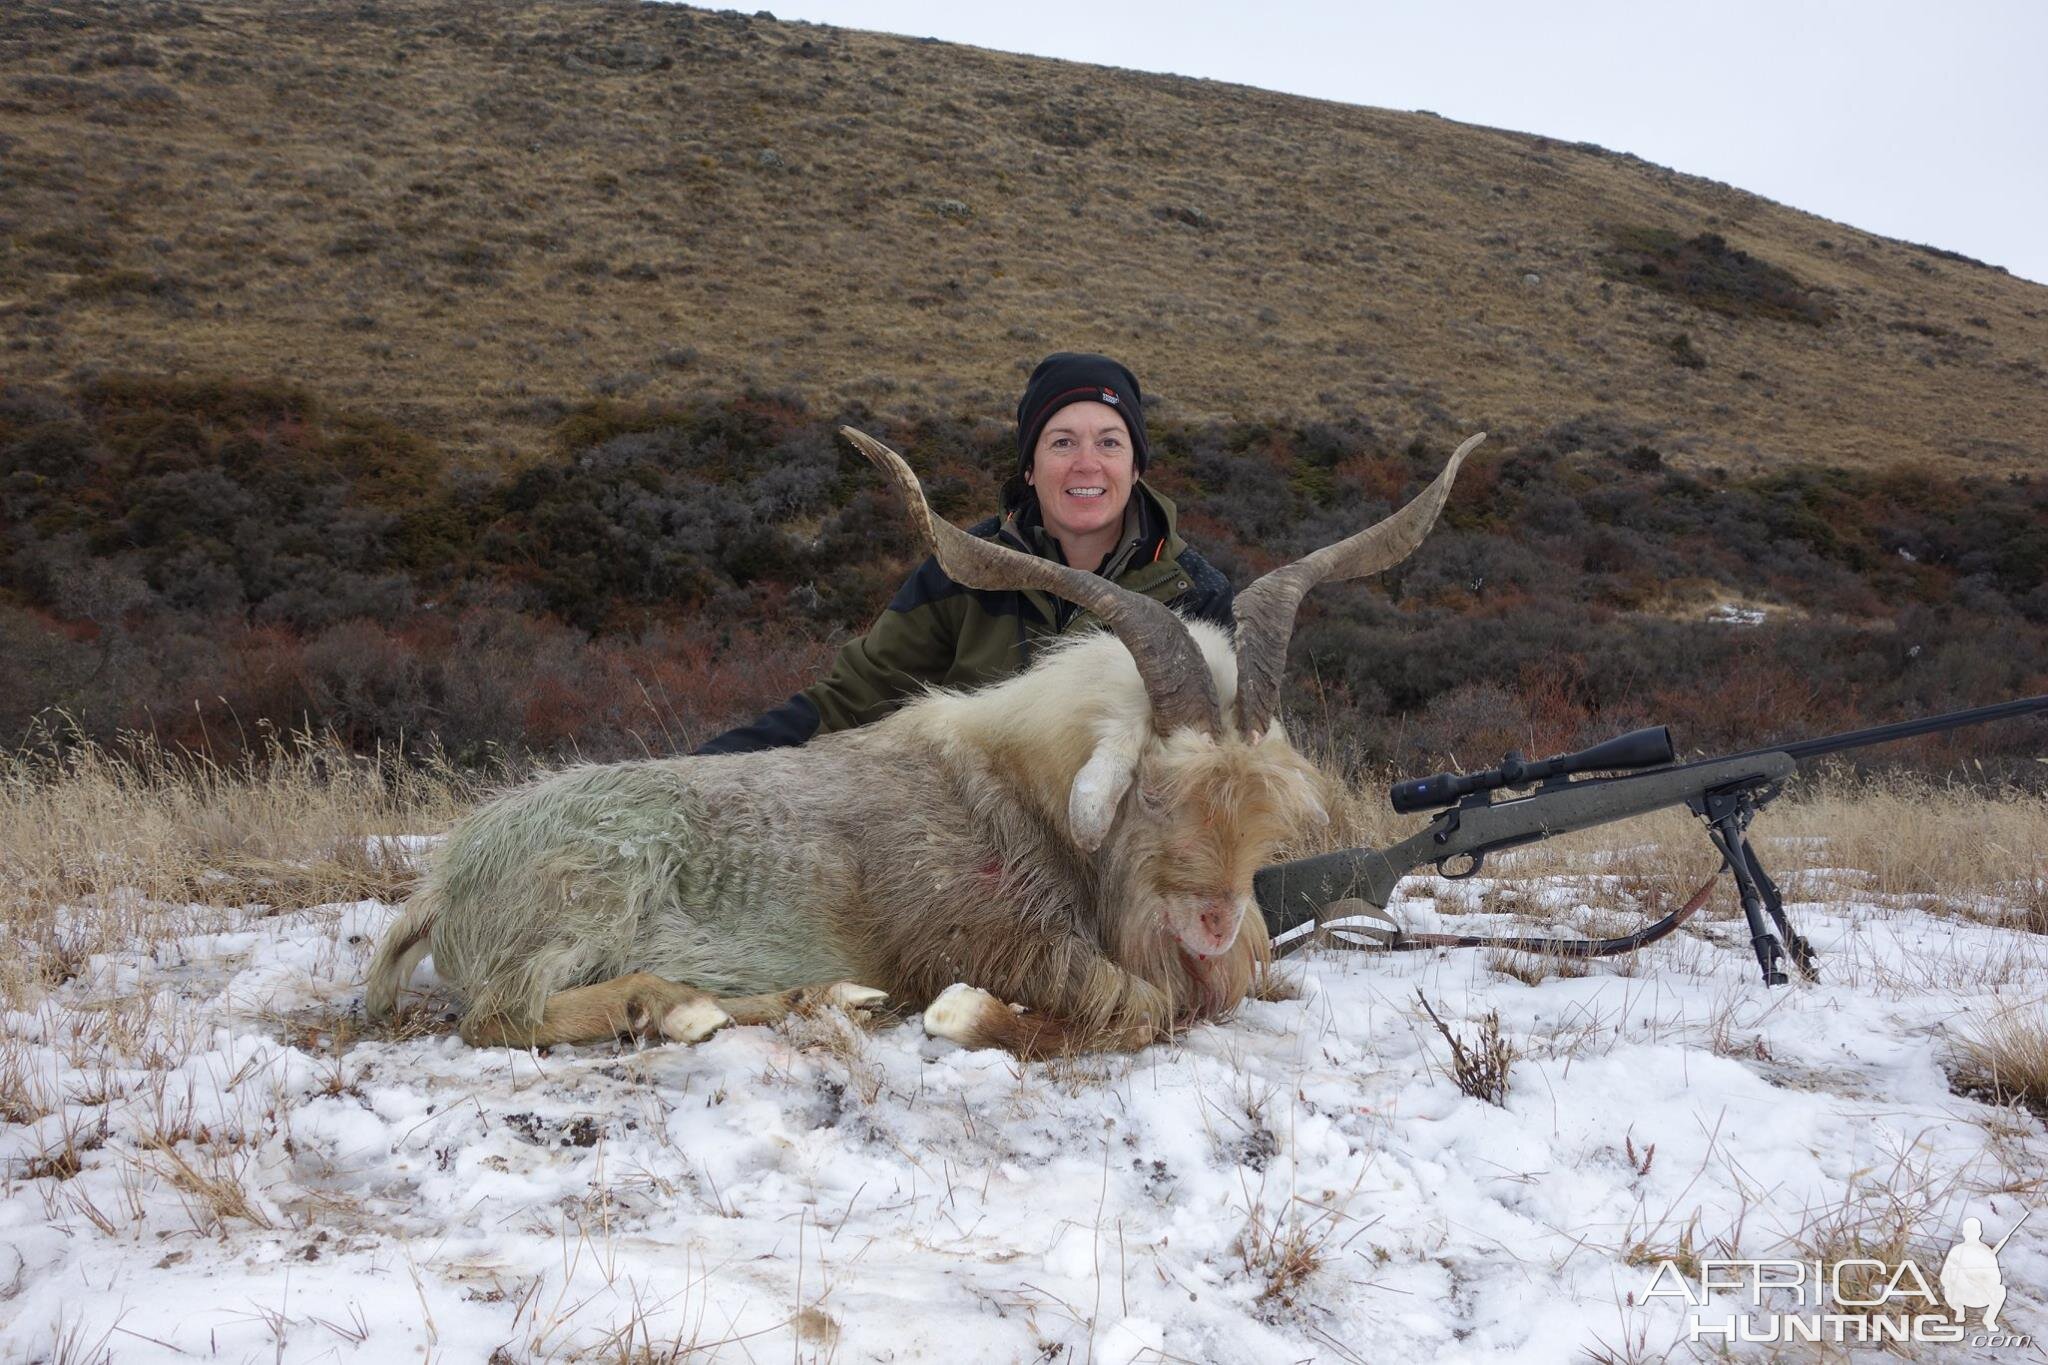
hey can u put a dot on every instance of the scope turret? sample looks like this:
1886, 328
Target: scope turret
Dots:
1636, 749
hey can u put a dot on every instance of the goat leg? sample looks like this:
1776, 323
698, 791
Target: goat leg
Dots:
855, 999
638, 1005
642, 1005
1108, 1010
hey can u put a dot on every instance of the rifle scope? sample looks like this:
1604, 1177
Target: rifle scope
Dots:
1636, 749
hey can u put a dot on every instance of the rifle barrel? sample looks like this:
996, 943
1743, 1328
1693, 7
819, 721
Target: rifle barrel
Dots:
1803, 749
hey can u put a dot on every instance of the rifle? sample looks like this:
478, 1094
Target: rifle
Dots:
1472, 821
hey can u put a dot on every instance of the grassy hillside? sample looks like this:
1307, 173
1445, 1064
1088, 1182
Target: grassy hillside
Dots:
463, 216
470, 371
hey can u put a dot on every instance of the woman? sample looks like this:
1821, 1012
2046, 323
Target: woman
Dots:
1078, 497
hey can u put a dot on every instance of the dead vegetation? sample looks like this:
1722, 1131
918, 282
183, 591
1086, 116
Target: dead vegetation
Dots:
1282, 1247
137, 843
1982, 853
1896, 1211
118, 848
1533, 968
1898, 838
1479, 1067
2004, 1060
487, 218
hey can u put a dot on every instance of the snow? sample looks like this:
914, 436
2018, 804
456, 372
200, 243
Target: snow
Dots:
1736, 614
253, 1181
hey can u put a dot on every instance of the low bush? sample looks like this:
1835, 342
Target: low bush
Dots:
1705, 271
192, 558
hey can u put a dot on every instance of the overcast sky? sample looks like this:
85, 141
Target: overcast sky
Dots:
1927, 122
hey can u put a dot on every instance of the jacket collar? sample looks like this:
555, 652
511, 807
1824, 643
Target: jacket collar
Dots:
1151, 532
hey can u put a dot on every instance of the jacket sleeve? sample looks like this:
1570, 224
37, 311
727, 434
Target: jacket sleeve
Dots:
793, 722
1209, 596
911, 645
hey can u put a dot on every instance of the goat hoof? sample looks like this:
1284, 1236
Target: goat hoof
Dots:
959, 1013
693, 1021
854, 997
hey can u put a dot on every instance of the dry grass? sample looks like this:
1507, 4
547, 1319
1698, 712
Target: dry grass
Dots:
1631, 1348
1534, 968
1683, 1251
113, 849
104, 851
1282, 1249
330, 1029
1891, 1214
841, 1037
2004, 1060
136, 843
1918, 839
544, 202
69, 1344
1288, 1238
213, 1186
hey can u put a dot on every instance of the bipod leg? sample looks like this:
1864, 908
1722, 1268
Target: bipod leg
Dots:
1795, 943
1727, 818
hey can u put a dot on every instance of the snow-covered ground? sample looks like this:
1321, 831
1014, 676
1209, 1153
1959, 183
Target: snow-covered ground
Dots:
1302, 1182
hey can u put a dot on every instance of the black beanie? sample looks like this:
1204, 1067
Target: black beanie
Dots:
1077, 377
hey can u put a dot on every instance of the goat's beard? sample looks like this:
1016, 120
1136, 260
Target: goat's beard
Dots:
1215, 985
1144, 943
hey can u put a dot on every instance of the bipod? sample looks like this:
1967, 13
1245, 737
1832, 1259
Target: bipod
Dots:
1727, 813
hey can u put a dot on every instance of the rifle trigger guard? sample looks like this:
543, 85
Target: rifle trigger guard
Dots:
1443, 866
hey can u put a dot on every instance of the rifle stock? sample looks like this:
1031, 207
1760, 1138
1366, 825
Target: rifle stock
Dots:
1291, 894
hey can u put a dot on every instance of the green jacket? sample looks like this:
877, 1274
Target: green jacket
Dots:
936, 632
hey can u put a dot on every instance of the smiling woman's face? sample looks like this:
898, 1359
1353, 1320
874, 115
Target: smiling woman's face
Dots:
1083, 470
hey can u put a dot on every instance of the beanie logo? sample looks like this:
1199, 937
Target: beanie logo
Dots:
1109, 396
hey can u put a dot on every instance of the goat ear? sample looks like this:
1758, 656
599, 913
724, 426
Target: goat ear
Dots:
1316, 790
1099, 789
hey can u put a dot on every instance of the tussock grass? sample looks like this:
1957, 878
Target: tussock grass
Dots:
106, 848
1533, 968
1914, 838
2005, 1060
1289, 1236
1683, 1251
215, 1188
840, 1037
111, 849
1281, 1250
1888, 1214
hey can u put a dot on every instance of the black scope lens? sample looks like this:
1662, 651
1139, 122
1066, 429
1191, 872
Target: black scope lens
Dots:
1426, 793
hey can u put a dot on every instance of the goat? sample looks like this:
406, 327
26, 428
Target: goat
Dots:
1058, 862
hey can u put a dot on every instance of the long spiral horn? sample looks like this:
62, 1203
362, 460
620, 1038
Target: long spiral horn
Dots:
1265, 610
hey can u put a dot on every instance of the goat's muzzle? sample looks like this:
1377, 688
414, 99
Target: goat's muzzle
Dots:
1207, 926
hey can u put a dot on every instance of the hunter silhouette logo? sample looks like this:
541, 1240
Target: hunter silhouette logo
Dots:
1856, 1300
1969, 1274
